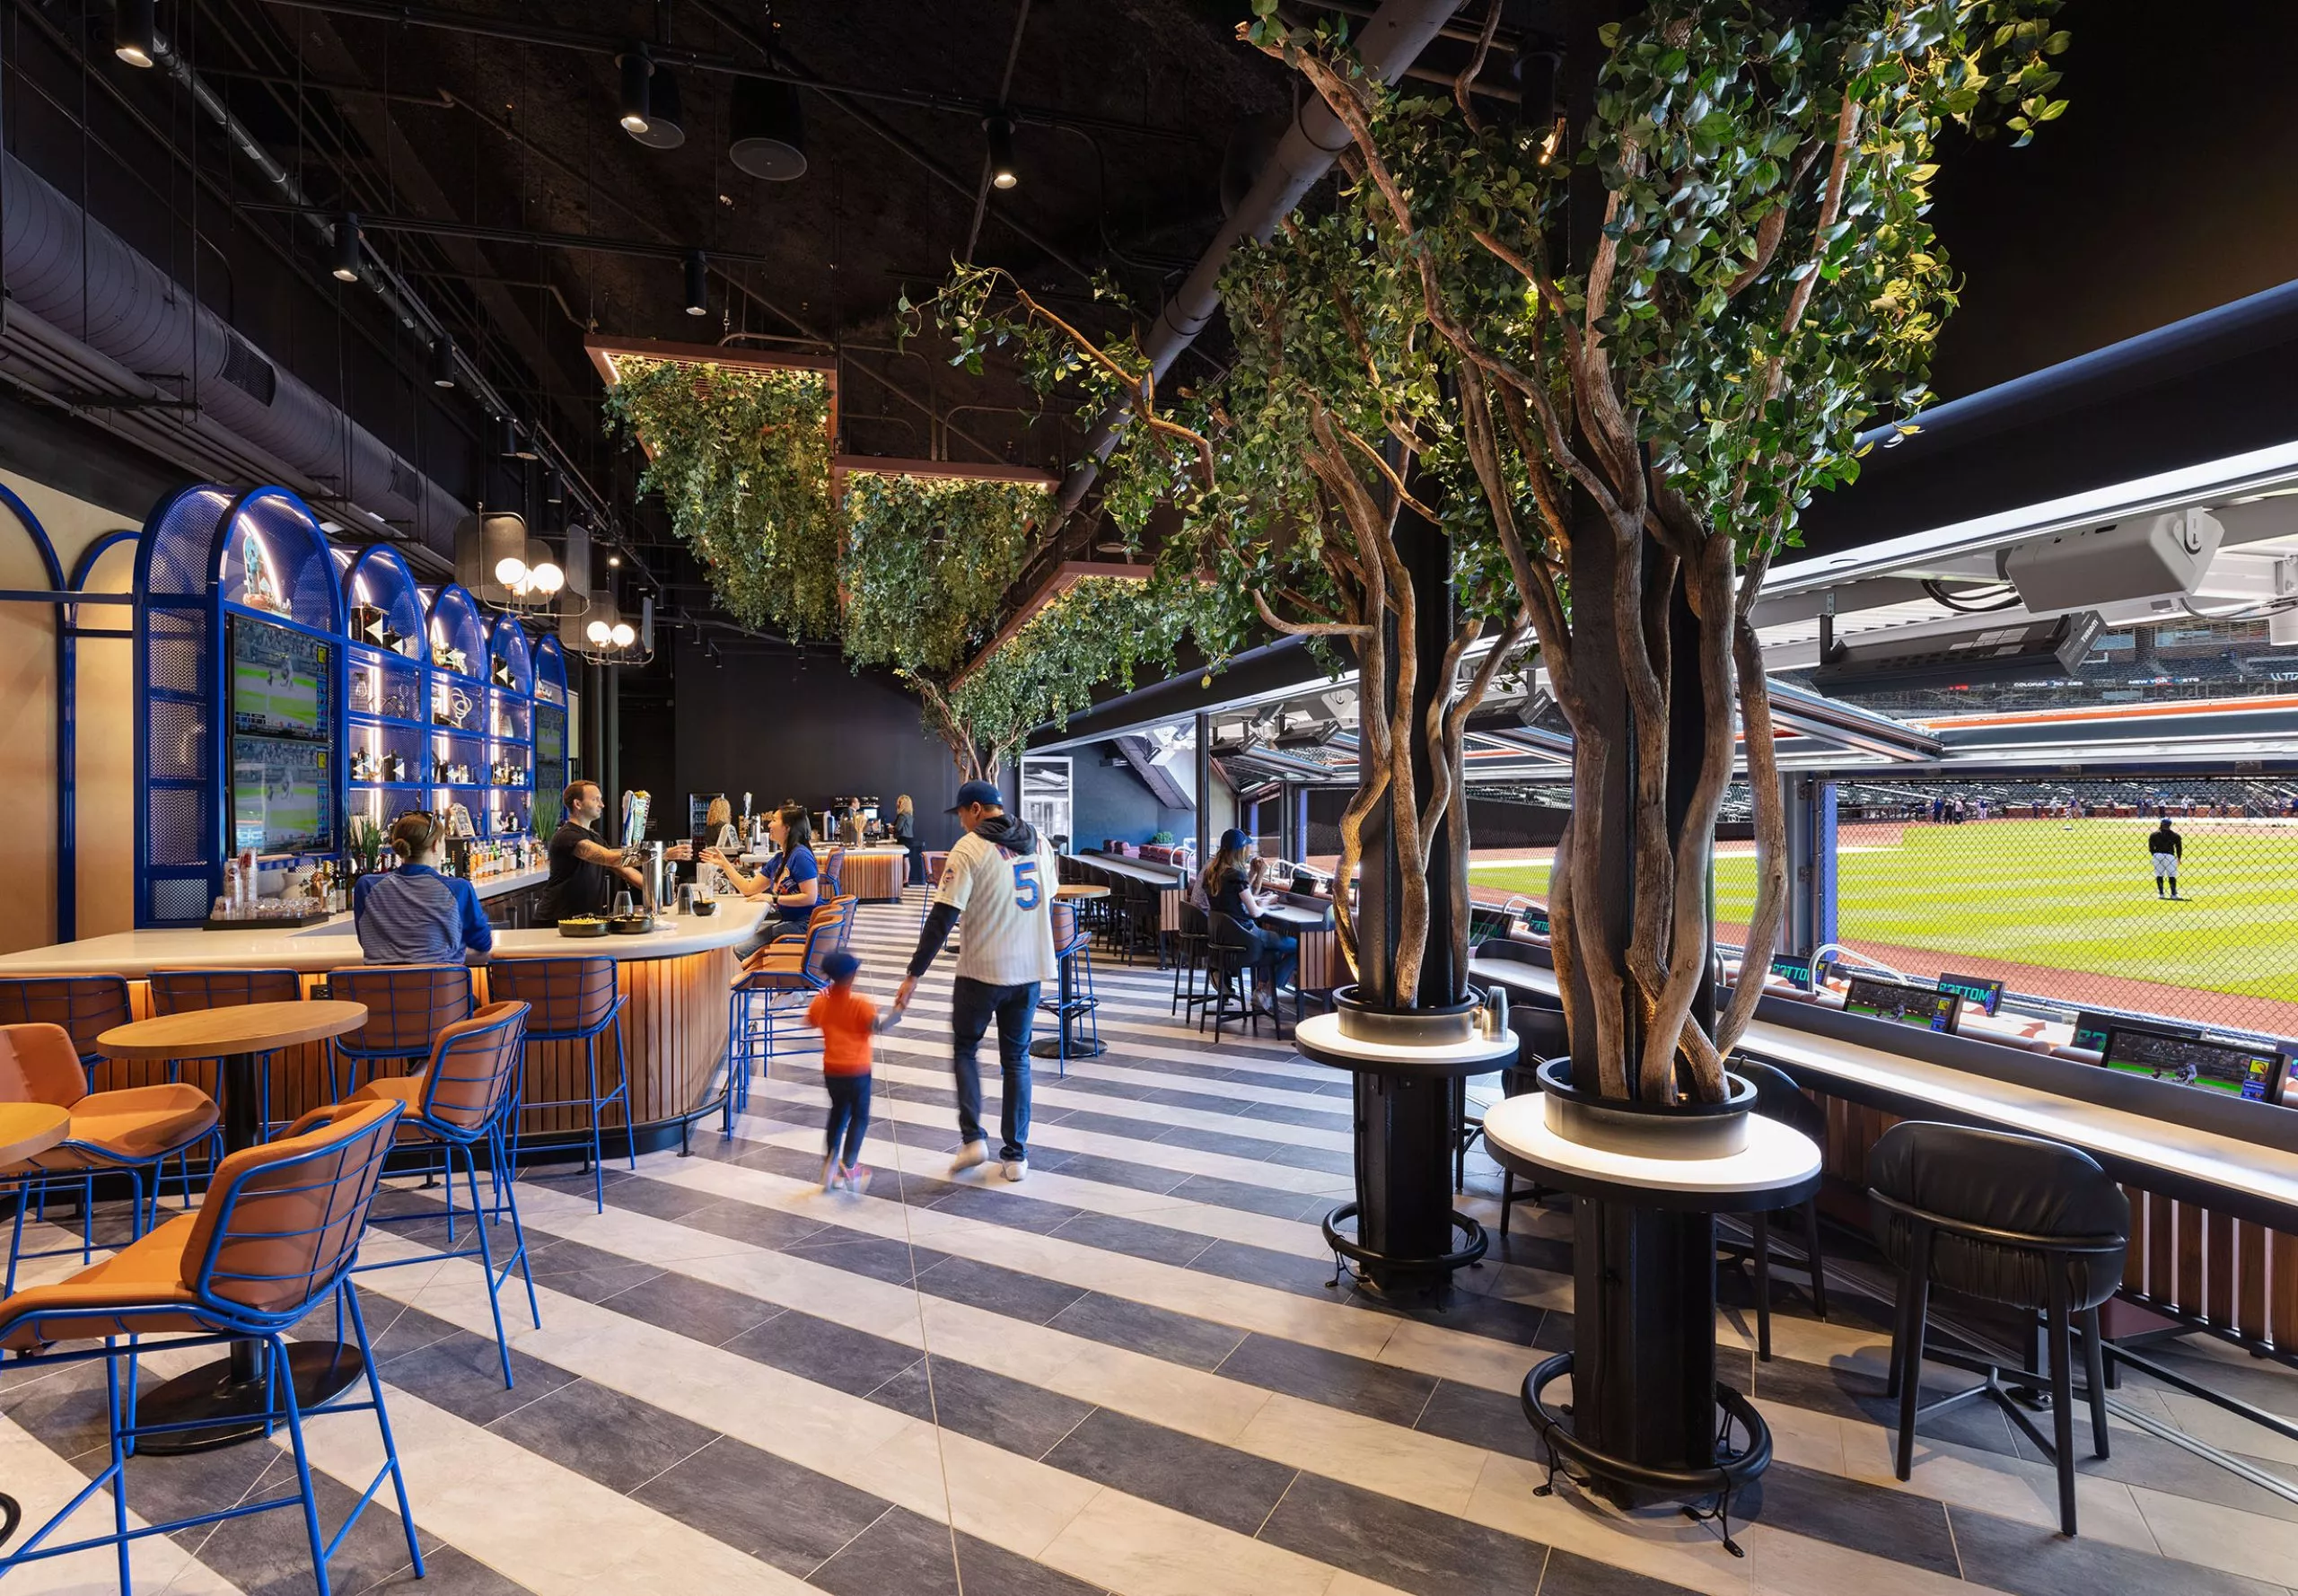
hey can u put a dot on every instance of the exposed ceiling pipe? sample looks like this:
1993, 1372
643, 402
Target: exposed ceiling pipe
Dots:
1390, 41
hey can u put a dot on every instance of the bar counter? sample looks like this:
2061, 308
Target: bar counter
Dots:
674, 981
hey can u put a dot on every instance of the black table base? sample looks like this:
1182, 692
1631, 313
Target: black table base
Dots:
1404, 1213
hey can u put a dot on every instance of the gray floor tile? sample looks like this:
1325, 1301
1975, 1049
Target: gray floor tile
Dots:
1493, 1420
761, 1505
1218, 1484
1899, 1525
1109, 1172
903, 1554
1568, 1574
1009, 1414
1413, 1549
616, 1440
2033, 1560
1159, 1332
463, 1373
752, 1223
1158, 1243
1358, 1385
1000, 1290
1253, 1199
893, 1262
1287, 1271
694, 1309
1003, 1207
848, 1360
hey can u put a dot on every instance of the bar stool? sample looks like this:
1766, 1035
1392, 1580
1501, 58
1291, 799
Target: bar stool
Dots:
408, 1007
183, 991
833, 873
2013, 1219
463, 1097
1235, 966
274, 1238
1777, 1097
1189, 960
570, 1000
1074, 994
790, 968
86, 1006
132, 1131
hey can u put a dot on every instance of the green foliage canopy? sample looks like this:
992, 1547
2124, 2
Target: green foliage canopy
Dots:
927, 562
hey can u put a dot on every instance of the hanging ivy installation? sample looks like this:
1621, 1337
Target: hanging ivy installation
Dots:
741, 455
928, 561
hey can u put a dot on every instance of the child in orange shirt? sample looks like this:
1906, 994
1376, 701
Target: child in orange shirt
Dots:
847, 1020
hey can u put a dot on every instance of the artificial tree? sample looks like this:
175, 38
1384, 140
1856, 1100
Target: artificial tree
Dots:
1657, 333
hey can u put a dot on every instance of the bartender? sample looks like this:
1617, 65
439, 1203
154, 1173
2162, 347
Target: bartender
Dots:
582, 869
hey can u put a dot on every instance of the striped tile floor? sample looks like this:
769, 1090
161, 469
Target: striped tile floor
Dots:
1133, 1373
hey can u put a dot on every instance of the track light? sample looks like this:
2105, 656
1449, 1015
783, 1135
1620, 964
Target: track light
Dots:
697, 284
770, 134
1002, 173
136, 32
512, 443
554, 487
346, 248
638, 89
665, 127
443, 360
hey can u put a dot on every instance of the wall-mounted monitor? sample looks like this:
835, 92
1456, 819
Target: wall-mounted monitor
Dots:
1984, 994
282, 680
1903, 1004
283, 796
2245, 1072
1536, 921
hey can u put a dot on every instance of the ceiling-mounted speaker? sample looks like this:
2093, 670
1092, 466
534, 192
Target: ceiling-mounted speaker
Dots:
768, 132
665, 127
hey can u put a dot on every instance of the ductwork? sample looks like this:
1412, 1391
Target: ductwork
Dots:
1390, 40
95, 325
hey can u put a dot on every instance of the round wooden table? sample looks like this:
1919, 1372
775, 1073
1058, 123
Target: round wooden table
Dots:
232, 1390
27, 1129
1070, 1045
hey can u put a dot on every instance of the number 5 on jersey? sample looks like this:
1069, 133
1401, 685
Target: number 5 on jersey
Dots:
1027, 893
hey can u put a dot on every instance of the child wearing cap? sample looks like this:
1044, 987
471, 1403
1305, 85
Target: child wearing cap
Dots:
847, 1020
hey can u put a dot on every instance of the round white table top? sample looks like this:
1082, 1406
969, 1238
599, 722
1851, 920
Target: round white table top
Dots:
1321, 1040
1776, 1160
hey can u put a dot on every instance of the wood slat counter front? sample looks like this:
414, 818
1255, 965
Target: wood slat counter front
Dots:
2213, 1181
673, 983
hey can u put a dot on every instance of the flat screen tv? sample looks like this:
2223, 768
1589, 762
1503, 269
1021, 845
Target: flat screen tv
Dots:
2093, 1027
283, 796
2252, 1072
550, 737
1903, 1004
281, 681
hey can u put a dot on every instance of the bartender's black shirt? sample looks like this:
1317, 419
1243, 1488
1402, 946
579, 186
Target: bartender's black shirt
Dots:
577, 886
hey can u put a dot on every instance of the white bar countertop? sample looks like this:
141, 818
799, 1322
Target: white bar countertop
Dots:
2197, 1154
1140, 870
495, 886
332, 944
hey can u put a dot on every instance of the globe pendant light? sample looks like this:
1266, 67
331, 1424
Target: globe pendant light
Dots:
770, 134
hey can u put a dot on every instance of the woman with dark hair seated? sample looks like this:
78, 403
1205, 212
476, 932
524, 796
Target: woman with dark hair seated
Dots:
1231, 884
789, 880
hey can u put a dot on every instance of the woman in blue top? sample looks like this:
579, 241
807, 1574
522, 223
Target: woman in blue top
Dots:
790, 880
414, 915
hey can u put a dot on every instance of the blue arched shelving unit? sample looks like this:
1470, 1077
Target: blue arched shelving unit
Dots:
550, 719
511, 743
459, 706
386, 748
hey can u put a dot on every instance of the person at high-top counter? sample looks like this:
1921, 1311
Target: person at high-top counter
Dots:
790, 880
1001, 877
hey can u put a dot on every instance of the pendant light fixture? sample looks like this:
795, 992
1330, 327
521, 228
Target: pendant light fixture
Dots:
544, 577
769, 134
443, 360
665, 127
554, 487
136, 32
697, 284
1003, 172
346, 268
638, 89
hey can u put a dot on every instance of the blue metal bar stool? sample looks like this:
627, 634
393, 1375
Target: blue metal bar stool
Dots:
274, 1238
133, 1132
790, 970
463, 1097
408, 1007
86, 1006
1074, 995
184, 991
569, 1000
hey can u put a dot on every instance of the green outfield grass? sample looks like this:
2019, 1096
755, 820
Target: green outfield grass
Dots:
2078, 898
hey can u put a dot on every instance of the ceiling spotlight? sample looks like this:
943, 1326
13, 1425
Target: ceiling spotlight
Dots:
614, 561
443, 360
769, 136
346, 248
697, 284
638, 89
136, 32
1002, 174
513, 443
554, 487
665, 123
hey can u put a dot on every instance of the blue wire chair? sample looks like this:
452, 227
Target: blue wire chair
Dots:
1072, 946
790, 969
569, 1000
184, 991
461, 1098
133, 1132
408, 1007
274, 1236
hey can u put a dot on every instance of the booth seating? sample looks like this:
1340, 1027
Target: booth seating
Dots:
1777, 1097
408, 1007
2026, 1223
133, 1131
462, 1097
186, 991
274, 1238
570, 1001
791, 968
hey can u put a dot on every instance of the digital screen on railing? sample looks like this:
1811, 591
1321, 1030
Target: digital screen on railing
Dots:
2252, 1072
1796, 972
1902, 1005
1980, 993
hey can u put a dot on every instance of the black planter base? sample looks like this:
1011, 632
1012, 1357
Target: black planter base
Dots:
1630, 1483
1405, 1276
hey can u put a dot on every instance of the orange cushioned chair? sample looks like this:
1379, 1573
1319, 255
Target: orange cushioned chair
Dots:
461, 1098
132, 1131
274, 1237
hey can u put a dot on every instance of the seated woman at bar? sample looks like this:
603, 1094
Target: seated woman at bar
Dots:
789, 880
1231, 885
414, 915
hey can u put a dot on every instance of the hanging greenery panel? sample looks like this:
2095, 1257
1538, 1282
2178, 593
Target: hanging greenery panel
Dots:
739, 451
930, 553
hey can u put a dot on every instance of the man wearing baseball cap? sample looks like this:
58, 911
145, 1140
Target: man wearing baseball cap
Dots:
1002, 876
